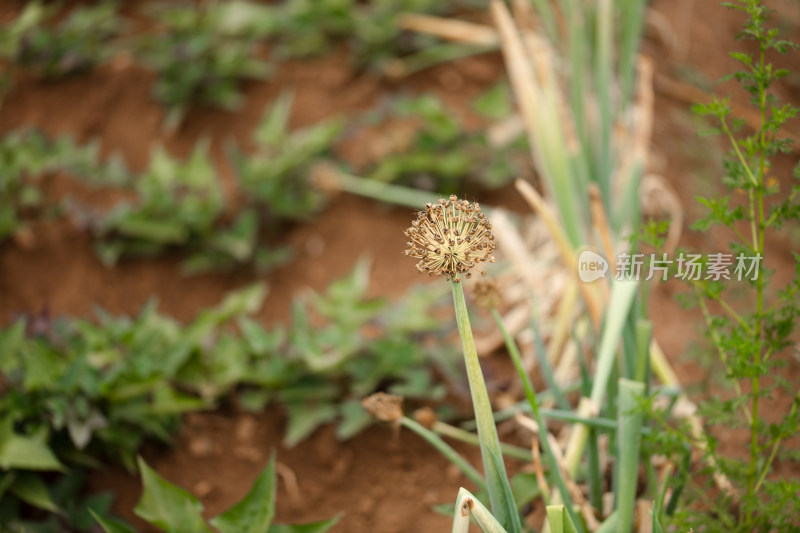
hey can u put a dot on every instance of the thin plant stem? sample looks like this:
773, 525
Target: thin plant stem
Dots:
468, 437
500, 496
530, 394
446, 450
755, 380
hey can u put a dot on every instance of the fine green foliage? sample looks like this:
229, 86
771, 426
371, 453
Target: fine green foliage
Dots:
202, 54
174, 510
28, 160
80, 42
753, 328
439, 155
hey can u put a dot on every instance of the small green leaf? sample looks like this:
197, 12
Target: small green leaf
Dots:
354, 419
30, 488
494, 103
305, 418
167, 506
12, 339
312, 527
254, 513
110, 525
26, 453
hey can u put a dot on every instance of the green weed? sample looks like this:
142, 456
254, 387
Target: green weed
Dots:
174, 510
305, 28
440, 155
180, 205
202, 54
29, 160
82, 41
750, 321
79, 391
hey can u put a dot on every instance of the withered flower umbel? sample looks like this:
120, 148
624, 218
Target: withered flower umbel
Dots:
450, 237
487, 293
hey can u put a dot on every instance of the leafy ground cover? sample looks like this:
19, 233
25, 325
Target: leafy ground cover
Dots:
63, 277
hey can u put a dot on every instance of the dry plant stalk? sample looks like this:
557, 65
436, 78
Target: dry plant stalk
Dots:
449, 29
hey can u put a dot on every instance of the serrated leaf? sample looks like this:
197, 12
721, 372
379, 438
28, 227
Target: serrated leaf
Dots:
254, 512
168, 506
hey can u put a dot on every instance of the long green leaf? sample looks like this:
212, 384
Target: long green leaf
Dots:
530, 394
622, 296
445, 449
628, 445
559, 520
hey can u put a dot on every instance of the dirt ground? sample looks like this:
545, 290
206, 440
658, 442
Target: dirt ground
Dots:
380, 480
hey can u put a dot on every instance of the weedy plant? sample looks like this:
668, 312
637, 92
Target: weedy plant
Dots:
581, 143
29, 160
79, 43
80, 391
180, 205
450, 238
203, 53
275, 179
437, 154
311, 27
174, 510
750, 321
176, 203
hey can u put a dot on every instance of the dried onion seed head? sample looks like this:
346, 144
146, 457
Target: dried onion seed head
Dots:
450, 237
487, 293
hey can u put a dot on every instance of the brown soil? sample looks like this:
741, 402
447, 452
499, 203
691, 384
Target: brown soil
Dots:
380, 480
